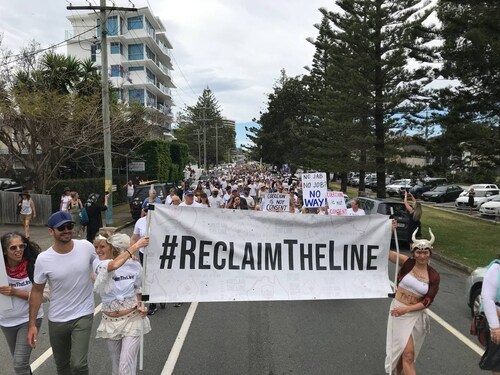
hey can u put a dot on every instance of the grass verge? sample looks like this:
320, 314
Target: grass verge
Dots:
467, 240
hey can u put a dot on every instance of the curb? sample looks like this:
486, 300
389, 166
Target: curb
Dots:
452, 263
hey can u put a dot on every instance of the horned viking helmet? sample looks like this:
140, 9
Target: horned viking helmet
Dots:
422, 244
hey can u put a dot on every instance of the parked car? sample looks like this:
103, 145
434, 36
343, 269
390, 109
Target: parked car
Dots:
481, 196
141, 192
394, 188
355, 181
425, 185
374, 206
473, 286
8, 184
491, 208
441, 194
479, 186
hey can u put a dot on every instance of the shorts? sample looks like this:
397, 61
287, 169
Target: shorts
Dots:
128, 325
26, 218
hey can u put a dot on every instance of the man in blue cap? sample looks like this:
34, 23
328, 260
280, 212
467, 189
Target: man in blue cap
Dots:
65, 265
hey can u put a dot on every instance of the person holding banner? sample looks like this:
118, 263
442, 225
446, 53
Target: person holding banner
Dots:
408, 322
118, 281
355, 209
19, 255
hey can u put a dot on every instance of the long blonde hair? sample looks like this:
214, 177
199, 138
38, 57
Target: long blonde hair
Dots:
417, 211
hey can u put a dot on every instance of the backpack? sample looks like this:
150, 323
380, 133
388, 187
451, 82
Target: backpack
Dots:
84, 217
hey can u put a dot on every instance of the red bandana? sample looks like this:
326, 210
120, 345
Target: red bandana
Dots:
20, 272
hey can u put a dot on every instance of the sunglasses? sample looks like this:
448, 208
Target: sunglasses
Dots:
17, 247
68, 226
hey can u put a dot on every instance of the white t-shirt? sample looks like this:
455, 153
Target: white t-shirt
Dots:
125, 281
359, 212
19, 313
26, 207
249, 199
253, 189
64, 202
140, 229
68, 276
216, 202
194, 204
130, 190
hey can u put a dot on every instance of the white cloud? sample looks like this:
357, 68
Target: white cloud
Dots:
237, 47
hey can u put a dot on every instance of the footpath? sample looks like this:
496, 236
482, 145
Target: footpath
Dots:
40, 233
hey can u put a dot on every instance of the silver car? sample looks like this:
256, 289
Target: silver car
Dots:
473, 286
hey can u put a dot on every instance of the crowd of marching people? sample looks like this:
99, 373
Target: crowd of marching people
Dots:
116, 263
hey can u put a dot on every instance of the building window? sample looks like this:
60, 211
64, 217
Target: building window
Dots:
116, 71
135, 68
112, 25
116, 48
136, 96
151, 99
150, 29
93, 51
150, 77
136, 51
134, 23
150, 54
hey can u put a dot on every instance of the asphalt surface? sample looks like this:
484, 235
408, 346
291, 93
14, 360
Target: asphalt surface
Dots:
296, 337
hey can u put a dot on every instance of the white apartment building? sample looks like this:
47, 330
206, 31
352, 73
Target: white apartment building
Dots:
138, 56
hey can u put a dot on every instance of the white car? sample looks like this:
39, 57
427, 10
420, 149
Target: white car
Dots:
481, 197
396, 186
473, 286
478, 186
491, 208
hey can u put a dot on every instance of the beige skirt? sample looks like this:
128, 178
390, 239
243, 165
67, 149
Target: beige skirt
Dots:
128, 325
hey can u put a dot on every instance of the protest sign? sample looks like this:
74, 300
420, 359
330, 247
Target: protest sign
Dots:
336, 203
276, 202
5, 301
197, 254
314, 187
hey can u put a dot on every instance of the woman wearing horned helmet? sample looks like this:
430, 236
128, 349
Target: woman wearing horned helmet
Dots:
417, 286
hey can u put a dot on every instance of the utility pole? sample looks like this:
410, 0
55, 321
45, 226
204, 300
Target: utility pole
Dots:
204, 119
108, 171
198, 133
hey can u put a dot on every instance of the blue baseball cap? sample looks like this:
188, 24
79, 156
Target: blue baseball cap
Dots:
188, 192
59, 218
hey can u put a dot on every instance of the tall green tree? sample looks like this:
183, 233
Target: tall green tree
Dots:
200, 125
280, 137
374, 42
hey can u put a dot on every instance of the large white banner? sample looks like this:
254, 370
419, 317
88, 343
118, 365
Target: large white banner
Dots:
197, 254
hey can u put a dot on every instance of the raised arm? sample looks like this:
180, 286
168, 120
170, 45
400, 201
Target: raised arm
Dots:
407, 205
126, 255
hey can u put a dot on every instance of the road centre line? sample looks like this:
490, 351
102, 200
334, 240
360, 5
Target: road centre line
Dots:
48, 353
479, 350
168, 369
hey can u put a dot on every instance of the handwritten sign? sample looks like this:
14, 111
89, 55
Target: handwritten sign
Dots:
336, 203
276, 202
314, 186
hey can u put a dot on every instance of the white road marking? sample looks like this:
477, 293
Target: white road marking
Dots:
478, 349
179, 341
48, 353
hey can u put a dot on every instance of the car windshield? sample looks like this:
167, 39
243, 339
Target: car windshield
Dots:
399, 182
496, 199
440, 189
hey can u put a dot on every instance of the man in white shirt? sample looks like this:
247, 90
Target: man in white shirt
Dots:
189, 200
65, 266
355, 209
248, 198
215, 199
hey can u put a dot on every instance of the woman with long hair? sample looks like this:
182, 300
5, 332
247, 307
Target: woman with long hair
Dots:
408, 321
414, 214
19, 254
118, 281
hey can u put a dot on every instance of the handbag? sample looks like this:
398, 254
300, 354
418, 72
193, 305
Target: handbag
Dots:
478, 327
18, 208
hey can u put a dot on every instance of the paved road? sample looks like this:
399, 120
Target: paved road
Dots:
299, 337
